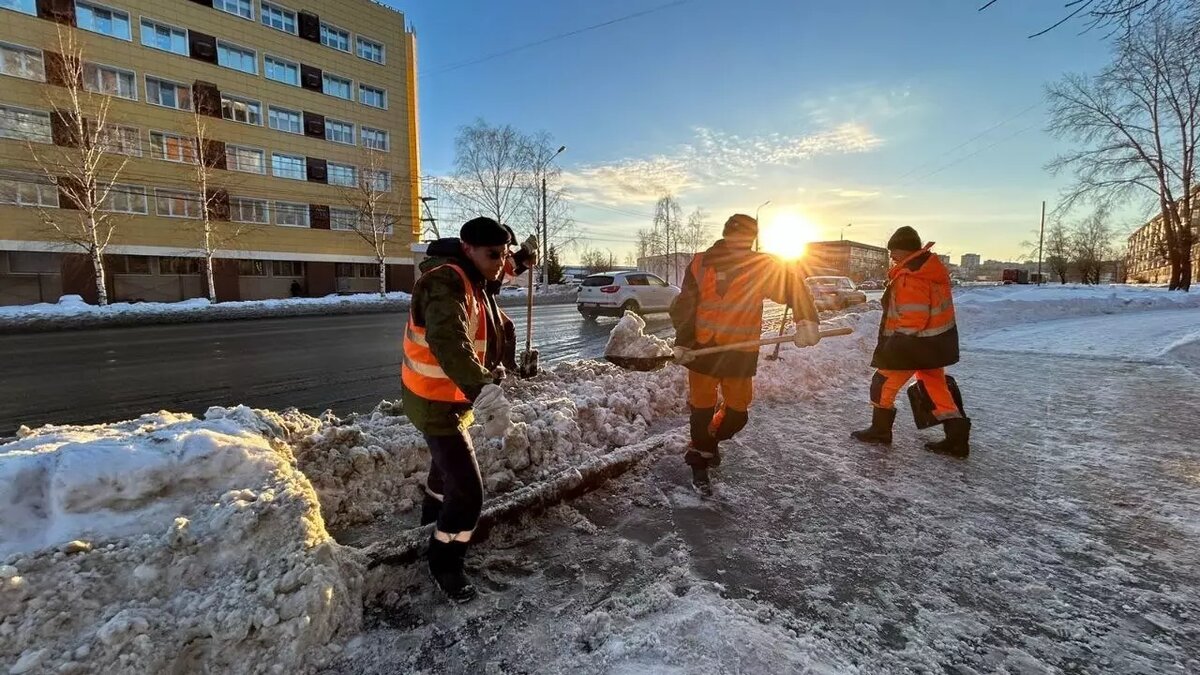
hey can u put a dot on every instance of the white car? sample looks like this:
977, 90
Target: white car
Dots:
612, 293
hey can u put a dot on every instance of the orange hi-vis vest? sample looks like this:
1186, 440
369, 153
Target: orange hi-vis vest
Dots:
920, 304
420, 371
733, 317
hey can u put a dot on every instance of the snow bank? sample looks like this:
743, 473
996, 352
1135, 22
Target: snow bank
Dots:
375, 464
74, 306
984, 308
628, 339
166, 544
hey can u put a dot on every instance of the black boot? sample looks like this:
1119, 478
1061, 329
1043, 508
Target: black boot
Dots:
430, 510
446, 565
700, 480
880, 431
958, 439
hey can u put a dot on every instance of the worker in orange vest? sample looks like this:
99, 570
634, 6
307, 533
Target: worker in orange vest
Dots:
454, 348
722, 303
918, 337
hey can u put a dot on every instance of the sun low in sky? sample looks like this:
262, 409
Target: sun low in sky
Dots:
786, 233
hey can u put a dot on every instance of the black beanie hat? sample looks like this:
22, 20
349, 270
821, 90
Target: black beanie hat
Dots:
484, 231
512, 236
740, 223
905, 239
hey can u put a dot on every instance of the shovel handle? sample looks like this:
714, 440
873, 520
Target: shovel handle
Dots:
831, 332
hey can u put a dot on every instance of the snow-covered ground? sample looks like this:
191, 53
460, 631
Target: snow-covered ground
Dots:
1065, 543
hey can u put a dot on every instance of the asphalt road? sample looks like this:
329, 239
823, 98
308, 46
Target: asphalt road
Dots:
342, 363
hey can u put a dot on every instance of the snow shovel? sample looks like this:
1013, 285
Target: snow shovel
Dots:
774, 356
647, 363
529, 358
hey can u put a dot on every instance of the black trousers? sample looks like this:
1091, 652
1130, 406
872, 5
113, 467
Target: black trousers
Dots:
454, 480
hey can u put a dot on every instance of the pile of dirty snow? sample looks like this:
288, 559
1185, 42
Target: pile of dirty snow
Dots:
628, 339
166, 544
370, 465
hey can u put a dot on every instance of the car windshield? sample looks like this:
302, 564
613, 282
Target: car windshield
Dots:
597, 281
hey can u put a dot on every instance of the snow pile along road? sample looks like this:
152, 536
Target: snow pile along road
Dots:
981, 308
166, 544
628, 339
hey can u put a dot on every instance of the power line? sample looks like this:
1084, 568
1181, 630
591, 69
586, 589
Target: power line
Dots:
553, 38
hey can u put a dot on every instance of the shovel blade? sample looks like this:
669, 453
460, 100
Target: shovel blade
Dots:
640, 363
529, 364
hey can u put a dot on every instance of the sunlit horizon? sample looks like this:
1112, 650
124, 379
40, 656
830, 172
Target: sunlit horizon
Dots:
787, 233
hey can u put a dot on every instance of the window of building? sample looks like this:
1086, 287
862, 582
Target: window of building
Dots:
370, 50
242, 8
27, 190
172, 147
183, 266
253, 268
281, 70
22, 62
291, 214
24, 125
232, 56
121, 140
375, 139
372, 96
24, 6
343, 269
342, 219
287, 268
282, 119
34, 262
332, 36
380, 181
337, 86
278, 17
129, 264
101, 19
165, 37
241, 109
168, 94
288, 166
246, 210
177, 203
342, 174
339, 132
367, 270
109, 80
249, 160
126, 199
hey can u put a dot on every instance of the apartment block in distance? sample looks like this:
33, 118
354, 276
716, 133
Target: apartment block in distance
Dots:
1146, 255
847, 258
301, 101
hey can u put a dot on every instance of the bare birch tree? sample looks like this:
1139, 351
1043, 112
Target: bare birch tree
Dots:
668, 228
1058, 251
1092, 246
492, 167
696, 234
1138, 123
375, 208
80, 164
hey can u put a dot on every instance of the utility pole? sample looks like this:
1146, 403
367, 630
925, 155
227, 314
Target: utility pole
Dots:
545, 252
1041, 242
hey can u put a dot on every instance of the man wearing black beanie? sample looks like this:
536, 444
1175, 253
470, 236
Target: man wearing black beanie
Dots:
918, 336
454, 349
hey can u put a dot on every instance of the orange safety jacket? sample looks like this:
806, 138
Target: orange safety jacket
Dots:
918, 330
420, 371
733, 317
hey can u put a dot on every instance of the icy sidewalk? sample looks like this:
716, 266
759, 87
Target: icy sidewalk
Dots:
1066, 543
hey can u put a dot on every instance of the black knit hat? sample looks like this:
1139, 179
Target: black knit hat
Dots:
512, 236
740, 223
905, 239
484, 231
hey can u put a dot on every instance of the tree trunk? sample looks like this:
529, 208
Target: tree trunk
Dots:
1185, 274
382, 277
208, 273
98, 269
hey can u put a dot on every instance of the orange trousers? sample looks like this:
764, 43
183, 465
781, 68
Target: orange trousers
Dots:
736, 392
886, 385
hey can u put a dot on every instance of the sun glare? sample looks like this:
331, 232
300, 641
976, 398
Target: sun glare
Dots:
786, 234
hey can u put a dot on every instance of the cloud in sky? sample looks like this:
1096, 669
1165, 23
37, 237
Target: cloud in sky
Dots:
712, 158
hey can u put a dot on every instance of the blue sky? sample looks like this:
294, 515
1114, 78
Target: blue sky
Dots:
877, 113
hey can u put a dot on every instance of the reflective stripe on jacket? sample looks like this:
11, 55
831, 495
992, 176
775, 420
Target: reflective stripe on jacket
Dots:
420, 371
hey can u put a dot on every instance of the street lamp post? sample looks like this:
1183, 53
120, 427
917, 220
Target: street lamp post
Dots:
545, 252
842, 236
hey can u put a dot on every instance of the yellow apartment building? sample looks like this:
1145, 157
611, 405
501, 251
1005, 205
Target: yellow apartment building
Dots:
298, 98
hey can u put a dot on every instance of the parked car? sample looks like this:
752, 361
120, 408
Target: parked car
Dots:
872, 285
512, 291
834, 292
612, 293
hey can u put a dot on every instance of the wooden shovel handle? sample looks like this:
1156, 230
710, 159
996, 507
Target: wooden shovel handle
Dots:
831, 332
